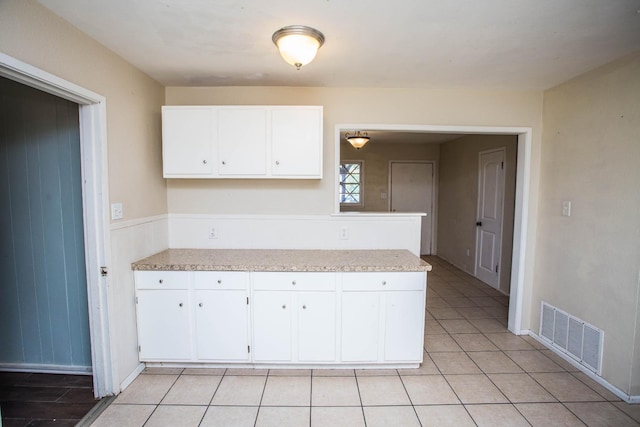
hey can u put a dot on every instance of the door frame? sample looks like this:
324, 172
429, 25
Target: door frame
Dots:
95, 201
503, 150
434, 199
520, 265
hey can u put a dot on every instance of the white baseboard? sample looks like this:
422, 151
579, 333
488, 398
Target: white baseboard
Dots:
132, 376
613, 389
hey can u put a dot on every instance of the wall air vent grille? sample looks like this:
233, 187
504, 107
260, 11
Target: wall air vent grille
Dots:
572, 336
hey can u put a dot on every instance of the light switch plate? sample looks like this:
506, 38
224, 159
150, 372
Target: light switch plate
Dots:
116, 211
566, 208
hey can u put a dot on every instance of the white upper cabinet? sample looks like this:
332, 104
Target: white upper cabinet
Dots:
242, 142
187, 135
296, 141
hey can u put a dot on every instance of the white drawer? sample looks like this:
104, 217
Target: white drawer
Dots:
162, 279
220, 279
384, 281
305, 281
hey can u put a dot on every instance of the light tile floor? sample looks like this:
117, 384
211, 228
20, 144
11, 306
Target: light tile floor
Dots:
474, 373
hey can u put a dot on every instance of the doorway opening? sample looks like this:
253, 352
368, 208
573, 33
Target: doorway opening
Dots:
521, 198
93, 151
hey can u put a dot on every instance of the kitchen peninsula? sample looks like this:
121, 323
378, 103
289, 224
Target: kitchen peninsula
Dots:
284, 308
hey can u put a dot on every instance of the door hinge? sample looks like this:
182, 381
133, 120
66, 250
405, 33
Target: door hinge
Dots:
247, 300
104, 271
136, 300
248, 349
501, 165
496, 268
139, 349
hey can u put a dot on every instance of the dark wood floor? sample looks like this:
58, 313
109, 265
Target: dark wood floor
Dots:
28, 399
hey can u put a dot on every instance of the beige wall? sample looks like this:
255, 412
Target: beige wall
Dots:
465, 107
458, 200
376, 157
588, 264
34, 35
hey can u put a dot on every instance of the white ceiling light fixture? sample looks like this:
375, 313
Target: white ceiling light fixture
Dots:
358, 139
298, 44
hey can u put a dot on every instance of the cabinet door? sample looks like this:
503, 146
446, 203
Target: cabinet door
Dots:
296, 142
222, 325
187, 141
360, 326
242, 141
163, 325
316, 333
404, 326
272, 317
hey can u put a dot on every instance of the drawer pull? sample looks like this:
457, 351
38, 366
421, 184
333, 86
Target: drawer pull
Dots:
180, 304
219, 281
384, 282
200, 305
293, 283
304, 307
160, 281
284, 306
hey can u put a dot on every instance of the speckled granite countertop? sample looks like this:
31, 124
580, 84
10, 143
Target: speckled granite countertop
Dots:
282, 260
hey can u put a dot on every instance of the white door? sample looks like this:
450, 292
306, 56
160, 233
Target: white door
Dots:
222, 325
187, 135
316, 326
296, 141
404, 319
411, 190
360, 326
272, 326
163, 325
489, 222
242, 141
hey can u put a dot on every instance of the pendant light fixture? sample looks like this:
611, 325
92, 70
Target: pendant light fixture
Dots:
298, 44
358, 139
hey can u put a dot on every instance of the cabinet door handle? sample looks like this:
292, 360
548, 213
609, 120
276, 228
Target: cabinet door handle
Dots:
284, 306
277, 162
180, 304
219, 281
304, 307
384, 282
293, 283
204, 162
224, 163
200, 305
160, 281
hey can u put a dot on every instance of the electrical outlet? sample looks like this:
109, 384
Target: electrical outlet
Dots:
344, 233
213, 233
116, 211
566, 208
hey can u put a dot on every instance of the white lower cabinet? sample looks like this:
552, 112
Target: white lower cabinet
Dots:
163, 325
383, 317
281, 318
294, 317
222, 325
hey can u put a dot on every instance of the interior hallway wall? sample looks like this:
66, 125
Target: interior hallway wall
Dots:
376, 157
458, 201
588, 263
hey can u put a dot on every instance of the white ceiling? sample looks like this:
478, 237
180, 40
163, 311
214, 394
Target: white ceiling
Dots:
506, 44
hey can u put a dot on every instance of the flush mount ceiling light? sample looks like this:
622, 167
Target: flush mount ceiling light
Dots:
298, 44
358, 139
